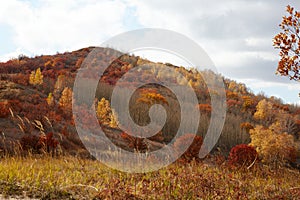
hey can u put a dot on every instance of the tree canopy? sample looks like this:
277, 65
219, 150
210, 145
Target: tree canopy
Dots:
288, 41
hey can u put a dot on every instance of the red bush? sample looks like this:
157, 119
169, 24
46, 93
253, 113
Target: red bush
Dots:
21, 79
193, 151
242, 155
48, 142
37, 144
4, 110
30, 143
135, 143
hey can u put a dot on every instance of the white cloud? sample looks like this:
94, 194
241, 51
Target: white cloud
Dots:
62, 25
237, 34
286, 91
12, 55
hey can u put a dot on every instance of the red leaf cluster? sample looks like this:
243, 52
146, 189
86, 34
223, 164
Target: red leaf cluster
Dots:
4, 110
242, 155
193, 151
38, 143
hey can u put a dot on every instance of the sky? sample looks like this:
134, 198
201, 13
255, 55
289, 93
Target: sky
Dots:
236, 34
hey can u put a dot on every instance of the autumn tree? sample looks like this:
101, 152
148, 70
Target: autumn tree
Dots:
268, 113
105, 114
287, 123
59, 85
288, 41
36, 77
151, 97
248, 102
65, 100
274, 148
50, 99
50, 64
237, 87
264, 112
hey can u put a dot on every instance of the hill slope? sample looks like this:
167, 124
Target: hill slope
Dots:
25, 105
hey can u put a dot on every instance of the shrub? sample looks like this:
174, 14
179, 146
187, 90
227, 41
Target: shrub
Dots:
48, 142
4, 111
274, 148
242, 155
30, 143
37, 144
136, 143
193, 151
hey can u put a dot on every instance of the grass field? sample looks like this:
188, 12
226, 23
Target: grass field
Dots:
74, 178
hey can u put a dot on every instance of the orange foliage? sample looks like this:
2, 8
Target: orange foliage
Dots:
232, 95
246, 126
233, 103
288, 41
152, 98
248, 102
205, 108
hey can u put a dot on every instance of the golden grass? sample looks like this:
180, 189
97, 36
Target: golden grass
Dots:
74, 178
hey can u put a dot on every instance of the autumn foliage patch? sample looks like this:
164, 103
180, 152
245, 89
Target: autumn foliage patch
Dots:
242, 155
193, 151
37, 144
4, 110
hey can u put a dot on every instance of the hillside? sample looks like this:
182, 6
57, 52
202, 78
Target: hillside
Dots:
30, 106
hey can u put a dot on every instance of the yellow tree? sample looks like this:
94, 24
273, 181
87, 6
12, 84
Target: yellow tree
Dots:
32, 78
151, 97
65, 100
264, 111
232, 86
273, 147
36, 77
248, 102
105, 114
113, 119
50, 99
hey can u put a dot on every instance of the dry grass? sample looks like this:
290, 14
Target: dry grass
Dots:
75, 178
